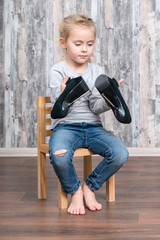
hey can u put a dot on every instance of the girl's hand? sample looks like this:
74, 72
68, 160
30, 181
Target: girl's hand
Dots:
63, 85
120, 82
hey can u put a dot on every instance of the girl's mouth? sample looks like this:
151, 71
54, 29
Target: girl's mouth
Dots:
83, 56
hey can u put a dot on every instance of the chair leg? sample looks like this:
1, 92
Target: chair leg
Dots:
42, 186
62, 197
110, 189
87, 166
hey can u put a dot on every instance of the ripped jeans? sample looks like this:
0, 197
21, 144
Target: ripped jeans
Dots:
87, 135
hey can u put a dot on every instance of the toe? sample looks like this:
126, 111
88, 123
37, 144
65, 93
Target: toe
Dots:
77, 212
92, 207
99, 206
82, 211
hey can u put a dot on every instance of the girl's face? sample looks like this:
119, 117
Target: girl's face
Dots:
79, 46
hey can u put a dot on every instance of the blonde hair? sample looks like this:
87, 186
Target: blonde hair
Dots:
75, 20
72, 21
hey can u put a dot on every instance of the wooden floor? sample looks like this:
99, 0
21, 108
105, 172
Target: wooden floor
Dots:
134, 215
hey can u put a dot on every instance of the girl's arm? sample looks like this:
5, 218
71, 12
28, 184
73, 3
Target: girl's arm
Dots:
63, 84
57, 83
97, 104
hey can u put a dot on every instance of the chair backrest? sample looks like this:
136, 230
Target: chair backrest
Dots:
43, 119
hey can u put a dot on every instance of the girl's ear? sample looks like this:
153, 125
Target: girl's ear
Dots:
62, 42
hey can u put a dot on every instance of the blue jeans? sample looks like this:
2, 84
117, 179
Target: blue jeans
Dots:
87, 135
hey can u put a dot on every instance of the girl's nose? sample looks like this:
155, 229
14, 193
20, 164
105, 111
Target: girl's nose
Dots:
84, 48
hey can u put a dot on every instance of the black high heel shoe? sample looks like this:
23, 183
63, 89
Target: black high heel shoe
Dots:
109, 90
75, 89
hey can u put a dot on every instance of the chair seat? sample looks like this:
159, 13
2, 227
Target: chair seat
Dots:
80, 152
44, 148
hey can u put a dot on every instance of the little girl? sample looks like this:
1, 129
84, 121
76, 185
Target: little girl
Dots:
82, 126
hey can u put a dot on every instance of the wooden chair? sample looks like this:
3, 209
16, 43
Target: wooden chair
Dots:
44, 120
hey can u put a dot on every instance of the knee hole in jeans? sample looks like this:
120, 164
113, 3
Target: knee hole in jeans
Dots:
60, 152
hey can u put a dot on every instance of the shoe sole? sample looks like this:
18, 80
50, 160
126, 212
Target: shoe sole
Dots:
108, 88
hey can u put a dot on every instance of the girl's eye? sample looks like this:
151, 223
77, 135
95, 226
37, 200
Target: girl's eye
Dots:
90, 44
77, 44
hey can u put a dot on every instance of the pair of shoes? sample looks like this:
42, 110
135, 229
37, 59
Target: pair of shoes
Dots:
75, 89
109, 90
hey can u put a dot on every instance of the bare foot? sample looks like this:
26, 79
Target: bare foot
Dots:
77, 207
90, 198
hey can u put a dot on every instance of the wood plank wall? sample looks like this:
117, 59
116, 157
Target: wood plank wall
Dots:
128, 46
